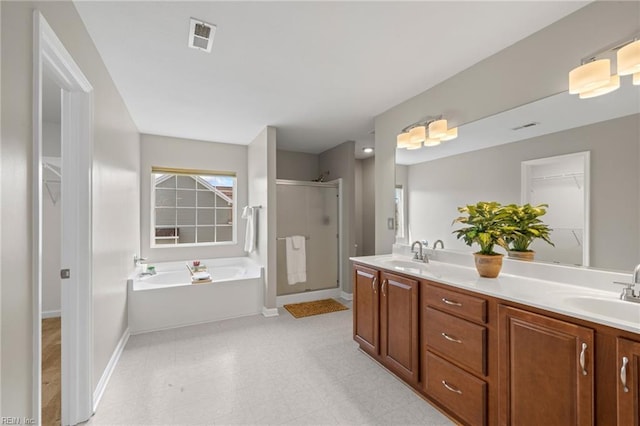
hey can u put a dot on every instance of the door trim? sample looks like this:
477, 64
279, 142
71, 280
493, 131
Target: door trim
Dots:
51, 56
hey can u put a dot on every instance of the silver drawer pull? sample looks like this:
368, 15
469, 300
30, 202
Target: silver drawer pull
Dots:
451, 388
623, 373
582, 359
451, 339
451, 302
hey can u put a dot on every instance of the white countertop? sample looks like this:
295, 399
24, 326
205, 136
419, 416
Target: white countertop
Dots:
590, 304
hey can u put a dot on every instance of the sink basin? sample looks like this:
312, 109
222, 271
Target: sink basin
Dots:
613, 308
407, 266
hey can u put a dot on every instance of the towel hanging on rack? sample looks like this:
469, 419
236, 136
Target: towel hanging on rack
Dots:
296, 259
250, 214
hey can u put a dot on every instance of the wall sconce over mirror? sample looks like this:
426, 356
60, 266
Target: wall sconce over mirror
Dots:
428, 132
593, 77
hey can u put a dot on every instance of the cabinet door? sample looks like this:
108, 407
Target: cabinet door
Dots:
399, 325
628, 354
546, 370
365, 309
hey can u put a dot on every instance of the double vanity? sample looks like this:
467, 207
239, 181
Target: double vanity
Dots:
532, 347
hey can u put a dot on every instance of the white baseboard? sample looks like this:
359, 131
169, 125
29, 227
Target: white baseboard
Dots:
346, 296
51, 314
307, 296
111, 366
269, 312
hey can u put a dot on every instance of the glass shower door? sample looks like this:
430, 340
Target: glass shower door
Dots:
311, 210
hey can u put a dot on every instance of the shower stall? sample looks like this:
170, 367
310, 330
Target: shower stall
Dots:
311, 210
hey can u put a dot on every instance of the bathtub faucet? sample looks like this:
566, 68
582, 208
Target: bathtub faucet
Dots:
137, 260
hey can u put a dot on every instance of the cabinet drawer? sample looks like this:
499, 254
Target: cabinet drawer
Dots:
463, 394
457, 339
473, 308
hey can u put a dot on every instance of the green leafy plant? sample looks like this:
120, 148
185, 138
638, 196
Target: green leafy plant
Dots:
485, 226
523, 225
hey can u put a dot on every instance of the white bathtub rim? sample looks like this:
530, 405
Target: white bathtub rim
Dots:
253, 270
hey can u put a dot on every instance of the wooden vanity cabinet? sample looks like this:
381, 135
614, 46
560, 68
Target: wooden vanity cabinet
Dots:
454, 352
366, 328
489, 361
399, 342
546, 370
385, 320
628, 389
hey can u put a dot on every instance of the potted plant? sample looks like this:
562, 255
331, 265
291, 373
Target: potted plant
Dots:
485, 227
522, 226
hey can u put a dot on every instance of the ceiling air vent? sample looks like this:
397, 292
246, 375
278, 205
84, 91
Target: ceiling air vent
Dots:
524, 126
201, 35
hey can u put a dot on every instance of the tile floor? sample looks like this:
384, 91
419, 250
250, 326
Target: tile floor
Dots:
258, 371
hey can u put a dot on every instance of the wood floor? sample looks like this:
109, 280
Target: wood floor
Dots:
51, 366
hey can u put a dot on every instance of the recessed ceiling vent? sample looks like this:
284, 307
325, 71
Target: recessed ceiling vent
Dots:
524, 126
201, 35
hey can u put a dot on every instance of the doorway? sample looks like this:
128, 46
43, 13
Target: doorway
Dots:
561, 182
62, 159
51, 203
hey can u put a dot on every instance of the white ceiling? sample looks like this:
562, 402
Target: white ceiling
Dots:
318, 71
553, 114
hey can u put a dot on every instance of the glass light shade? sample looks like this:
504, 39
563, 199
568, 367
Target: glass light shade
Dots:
589, 76
414, 145
629, 58
403, 140
614, 83
636, 79
432, 142
418, 134
451, 134
438, 129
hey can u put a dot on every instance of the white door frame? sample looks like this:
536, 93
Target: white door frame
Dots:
50, 56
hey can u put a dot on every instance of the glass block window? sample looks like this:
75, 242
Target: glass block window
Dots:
192, 207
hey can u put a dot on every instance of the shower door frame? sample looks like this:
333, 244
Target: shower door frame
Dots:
330, 184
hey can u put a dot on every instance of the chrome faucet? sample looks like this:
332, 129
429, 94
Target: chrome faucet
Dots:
137, 260
419, 255
636, 274
436, 243
628, 293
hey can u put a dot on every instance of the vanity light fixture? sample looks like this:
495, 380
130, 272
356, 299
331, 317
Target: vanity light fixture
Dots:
593, 77
428, 132
438, 129
403, 140
367, 150
629, 58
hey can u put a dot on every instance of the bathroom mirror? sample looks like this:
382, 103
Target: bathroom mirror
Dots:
484, 163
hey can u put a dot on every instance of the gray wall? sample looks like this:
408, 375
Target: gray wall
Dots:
340, 162
526, 71
166, 151
296, 165
115, 184
357, 210
261, 166
437, 188
368, 207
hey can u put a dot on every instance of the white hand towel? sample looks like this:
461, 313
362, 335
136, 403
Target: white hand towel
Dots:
199, 276
296, 259
250, 233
